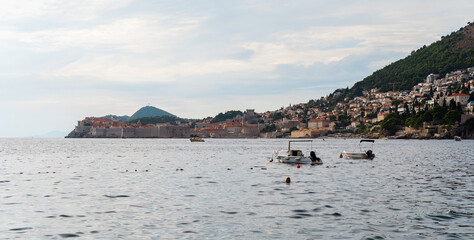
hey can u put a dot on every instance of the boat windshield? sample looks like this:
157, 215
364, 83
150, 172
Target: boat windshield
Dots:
298, 141
296, 153
365, 147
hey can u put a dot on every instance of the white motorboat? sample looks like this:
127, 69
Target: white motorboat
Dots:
361, 152
296, 155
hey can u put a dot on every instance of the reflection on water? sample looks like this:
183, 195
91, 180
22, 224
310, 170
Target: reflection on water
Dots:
228, 189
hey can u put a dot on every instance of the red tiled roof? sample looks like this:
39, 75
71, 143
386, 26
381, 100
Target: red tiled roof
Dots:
319, 120
459, 94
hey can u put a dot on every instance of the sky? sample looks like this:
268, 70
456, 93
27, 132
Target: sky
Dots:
62, 61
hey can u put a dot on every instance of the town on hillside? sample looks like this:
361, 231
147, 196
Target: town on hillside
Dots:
435, 108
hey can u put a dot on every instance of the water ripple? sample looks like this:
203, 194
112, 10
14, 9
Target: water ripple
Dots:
228, 189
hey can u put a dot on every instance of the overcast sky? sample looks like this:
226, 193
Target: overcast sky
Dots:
61, 61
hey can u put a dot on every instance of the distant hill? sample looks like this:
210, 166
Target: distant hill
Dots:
150, 111
160, 119
452, 52
121, 118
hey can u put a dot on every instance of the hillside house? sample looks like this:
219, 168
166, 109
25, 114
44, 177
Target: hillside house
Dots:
318, 123
460, 98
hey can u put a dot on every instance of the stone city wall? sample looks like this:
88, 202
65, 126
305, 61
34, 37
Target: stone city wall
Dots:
119, 132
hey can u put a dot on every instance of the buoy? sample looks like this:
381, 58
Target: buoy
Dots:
271, 160
298, 166
340, 155
288, 180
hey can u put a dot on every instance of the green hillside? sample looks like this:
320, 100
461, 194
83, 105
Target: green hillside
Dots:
221, 117
115, 117
452, 52
149, 111
158, 119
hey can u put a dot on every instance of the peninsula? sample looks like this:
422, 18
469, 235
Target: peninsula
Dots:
428, 94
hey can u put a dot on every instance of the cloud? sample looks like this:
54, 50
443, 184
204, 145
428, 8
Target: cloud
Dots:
140, 34
62, 10
314, 45
146, 48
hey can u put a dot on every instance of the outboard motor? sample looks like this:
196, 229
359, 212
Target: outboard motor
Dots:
370, 154
314, 159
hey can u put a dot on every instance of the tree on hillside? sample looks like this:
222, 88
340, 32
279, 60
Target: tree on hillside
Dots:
269, 128
221, 117
452, 104
438, 113
392, 123
276, 116
396, 102
452, 116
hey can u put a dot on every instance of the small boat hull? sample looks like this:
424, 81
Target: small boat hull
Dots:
196, 140
293, 159
297, 159
356, 155
363, 153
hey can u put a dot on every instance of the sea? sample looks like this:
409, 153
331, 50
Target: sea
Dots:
231, 189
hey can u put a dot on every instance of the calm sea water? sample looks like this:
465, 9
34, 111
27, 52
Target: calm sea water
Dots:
228, 189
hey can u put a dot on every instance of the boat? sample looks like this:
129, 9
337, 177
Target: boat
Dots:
361, 152
296, 156
196, 139
457, 138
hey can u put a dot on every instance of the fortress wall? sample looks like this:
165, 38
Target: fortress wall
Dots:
183, 131
98, 132
164, 132
82, 129
113, 132
117, 132
155, 132
250, 132
143, 132
173, 131
129, 132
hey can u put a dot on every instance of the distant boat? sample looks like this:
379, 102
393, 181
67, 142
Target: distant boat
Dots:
196, 139
457, 138
361, 153
296, 155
